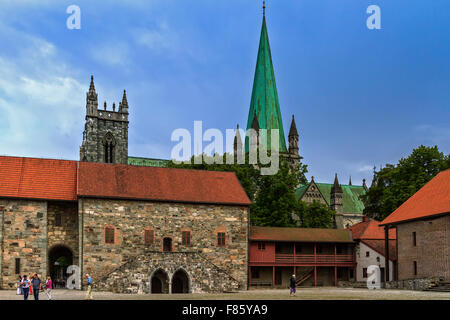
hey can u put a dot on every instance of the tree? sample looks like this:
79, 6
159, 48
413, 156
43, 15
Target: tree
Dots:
394, 184
273, 196
315, 215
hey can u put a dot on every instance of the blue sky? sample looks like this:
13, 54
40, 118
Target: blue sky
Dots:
360, 97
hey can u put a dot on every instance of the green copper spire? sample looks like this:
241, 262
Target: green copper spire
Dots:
264, 94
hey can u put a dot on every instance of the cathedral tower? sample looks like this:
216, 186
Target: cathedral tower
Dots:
105, 136
264, 105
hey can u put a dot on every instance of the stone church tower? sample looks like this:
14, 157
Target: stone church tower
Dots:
105, 136
337, 203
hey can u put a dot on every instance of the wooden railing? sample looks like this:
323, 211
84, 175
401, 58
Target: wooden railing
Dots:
310, 259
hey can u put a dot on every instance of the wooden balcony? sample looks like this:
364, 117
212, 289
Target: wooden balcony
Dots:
306, 260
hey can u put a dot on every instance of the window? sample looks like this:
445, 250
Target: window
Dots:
109, 235
58, 220
364, 272
148, 237
350, 273
261, 246
367, 254
378, 259
221, 239
186, 238
109, 144
167, 244
415, 268
414, 239
17, 265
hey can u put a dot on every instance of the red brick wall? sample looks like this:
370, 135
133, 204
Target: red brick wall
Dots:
431, 252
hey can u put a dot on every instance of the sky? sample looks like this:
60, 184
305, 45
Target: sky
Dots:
360, 97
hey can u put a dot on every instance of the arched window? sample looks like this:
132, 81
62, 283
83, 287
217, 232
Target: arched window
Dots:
221, 239
109, 235
109, 144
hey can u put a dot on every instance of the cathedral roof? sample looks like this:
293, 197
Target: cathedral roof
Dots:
351, 201
264, 99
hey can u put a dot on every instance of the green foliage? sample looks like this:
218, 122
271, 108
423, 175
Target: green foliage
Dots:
394, 184
315, 215
273, 196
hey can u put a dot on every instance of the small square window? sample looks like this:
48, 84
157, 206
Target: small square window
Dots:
221, 239
58, 220
148, 237
186, 238
109, 235
367, 254
261, 246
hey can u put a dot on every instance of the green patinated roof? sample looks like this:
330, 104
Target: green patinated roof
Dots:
351, 201
147, 162
264, 94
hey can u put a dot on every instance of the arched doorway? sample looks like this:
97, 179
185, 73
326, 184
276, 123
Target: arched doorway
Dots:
59, 258
159, 282
180, 282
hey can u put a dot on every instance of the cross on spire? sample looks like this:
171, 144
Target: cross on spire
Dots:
264, 8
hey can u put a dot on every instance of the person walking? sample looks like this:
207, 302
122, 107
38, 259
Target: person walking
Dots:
19, 286
89, 287
36, 284
48, 287
292, 286
25, 283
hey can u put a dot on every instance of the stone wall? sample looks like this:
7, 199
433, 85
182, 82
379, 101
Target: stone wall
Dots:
24, 234
412, 284
130, 219
431, 252
135, 275
67, 233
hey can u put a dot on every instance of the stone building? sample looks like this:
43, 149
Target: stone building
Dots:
422, 224
133, 228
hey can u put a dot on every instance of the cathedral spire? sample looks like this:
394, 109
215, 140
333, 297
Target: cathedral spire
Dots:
124, 104
264, 101
336, 188
92, 87
293, 138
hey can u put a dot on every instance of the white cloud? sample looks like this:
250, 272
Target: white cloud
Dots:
111, 53
159, 39
40, 102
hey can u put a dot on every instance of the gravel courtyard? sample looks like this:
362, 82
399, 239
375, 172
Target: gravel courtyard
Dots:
273, 294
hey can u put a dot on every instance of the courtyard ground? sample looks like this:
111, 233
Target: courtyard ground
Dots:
324, 293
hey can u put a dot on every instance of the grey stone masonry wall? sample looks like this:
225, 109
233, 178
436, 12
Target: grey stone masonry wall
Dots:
67, 233
105, 128
135, 275
130, 219
24, 233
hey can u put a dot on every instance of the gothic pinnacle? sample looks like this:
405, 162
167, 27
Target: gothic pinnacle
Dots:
124, 99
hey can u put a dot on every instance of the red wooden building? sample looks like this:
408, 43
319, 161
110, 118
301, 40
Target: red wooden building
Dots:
318, 257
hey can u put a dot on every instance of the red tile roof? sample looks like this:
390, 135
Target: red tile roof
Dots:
162, 184
50, 179
370, 229
432, 199
38, 178
378, 246
299, 234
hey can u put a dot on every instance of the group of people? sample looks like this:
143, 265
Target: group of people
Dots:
26, 286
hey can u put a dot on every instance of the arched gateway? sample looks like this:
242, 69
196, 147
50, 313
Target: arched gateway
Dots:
59, 258
159, 282
180, 282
